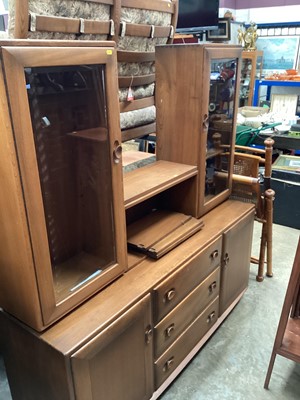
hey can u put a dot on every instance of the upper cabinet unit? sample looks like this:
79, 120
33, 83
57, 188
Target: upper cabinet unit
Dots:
252, 63
197, 92
61, 203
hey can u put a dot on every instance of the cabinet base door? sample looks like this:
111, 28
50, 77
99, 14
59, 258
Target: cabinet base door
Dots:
117, 363
235, 262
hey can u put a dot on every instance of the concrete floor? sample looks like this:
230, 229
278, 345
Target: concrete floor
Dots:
233, 363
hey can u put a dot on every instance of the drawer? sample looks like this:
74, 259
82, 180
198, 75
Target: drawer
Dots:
169, 361
175, 288
170, 327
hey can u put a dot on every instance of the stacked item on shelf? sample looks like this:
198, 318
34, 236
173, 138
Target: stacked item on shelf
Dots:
288, 75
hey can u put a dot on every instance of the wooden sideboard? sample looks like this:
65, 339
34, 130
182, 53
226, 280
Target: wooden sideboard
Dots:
141, 330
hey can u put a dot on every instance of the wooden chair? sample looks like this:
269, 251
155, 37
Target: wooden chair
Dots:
250, 185
287, 340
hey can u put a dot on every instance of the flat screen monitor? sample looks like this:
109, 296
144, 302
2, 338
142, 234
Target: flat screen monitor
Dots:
195, 16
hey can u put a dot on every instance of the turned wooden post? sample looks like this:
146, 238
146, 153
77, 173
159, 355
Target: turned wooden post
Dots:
269, 142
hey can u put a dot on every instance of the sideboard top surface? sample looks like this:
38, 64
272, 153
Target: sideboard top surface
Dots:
86, 321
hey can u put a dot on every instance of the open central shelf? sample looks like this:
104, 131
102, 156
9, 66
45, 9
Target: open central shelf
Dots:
143, 183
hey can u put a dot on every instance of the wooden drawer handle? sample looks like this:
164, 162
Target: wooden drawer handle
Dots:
148, 334
169, 330
168, 364
226, 260
117, 152
170, 294
211, 317
205, 121
212, 287
214, 254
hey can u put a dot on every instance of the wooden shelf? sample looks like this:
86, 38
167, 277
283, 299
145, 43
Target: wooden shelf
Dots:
145, 182
99, 134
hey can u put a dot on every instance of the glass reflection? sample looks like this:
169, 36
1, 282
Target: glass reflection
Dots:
69, 122
219, 135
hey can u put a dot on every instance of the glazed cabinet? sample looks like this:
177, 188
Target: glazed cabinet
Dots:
61, 203
197, 88
252, 63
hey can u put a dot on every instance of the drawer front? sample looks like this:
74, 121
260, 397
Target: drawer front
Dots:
174, 289
170, 327
170, 360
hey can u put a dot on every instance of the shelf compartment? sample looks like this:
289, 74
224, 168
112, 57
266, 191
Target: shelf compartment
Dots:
145, 182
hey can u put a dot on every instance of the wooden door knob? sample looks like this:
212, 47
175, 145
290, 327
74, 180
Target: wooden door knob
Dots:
170, 295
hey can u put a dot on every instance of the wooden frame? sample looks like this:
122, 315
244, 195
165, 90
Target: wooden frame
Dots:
222, 33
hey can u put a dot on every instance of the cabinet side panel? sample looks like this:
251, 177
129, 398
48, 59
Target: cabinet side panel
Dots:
179, 97
35, 370
18, 291
179, 102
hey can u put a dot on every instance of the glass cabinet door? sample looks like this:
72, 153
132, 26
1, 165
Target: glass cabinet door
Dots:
220, 132
66, 140
245, 83
251, 69
72, 151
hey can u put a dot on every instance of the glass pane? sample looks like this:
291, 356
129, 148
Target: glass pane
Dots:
221, 111
68, 113
245, 81
259, 65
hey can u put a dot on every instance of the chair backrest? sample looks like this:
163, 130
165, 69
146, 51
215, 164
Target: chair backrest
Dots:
246, 164
248, 182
